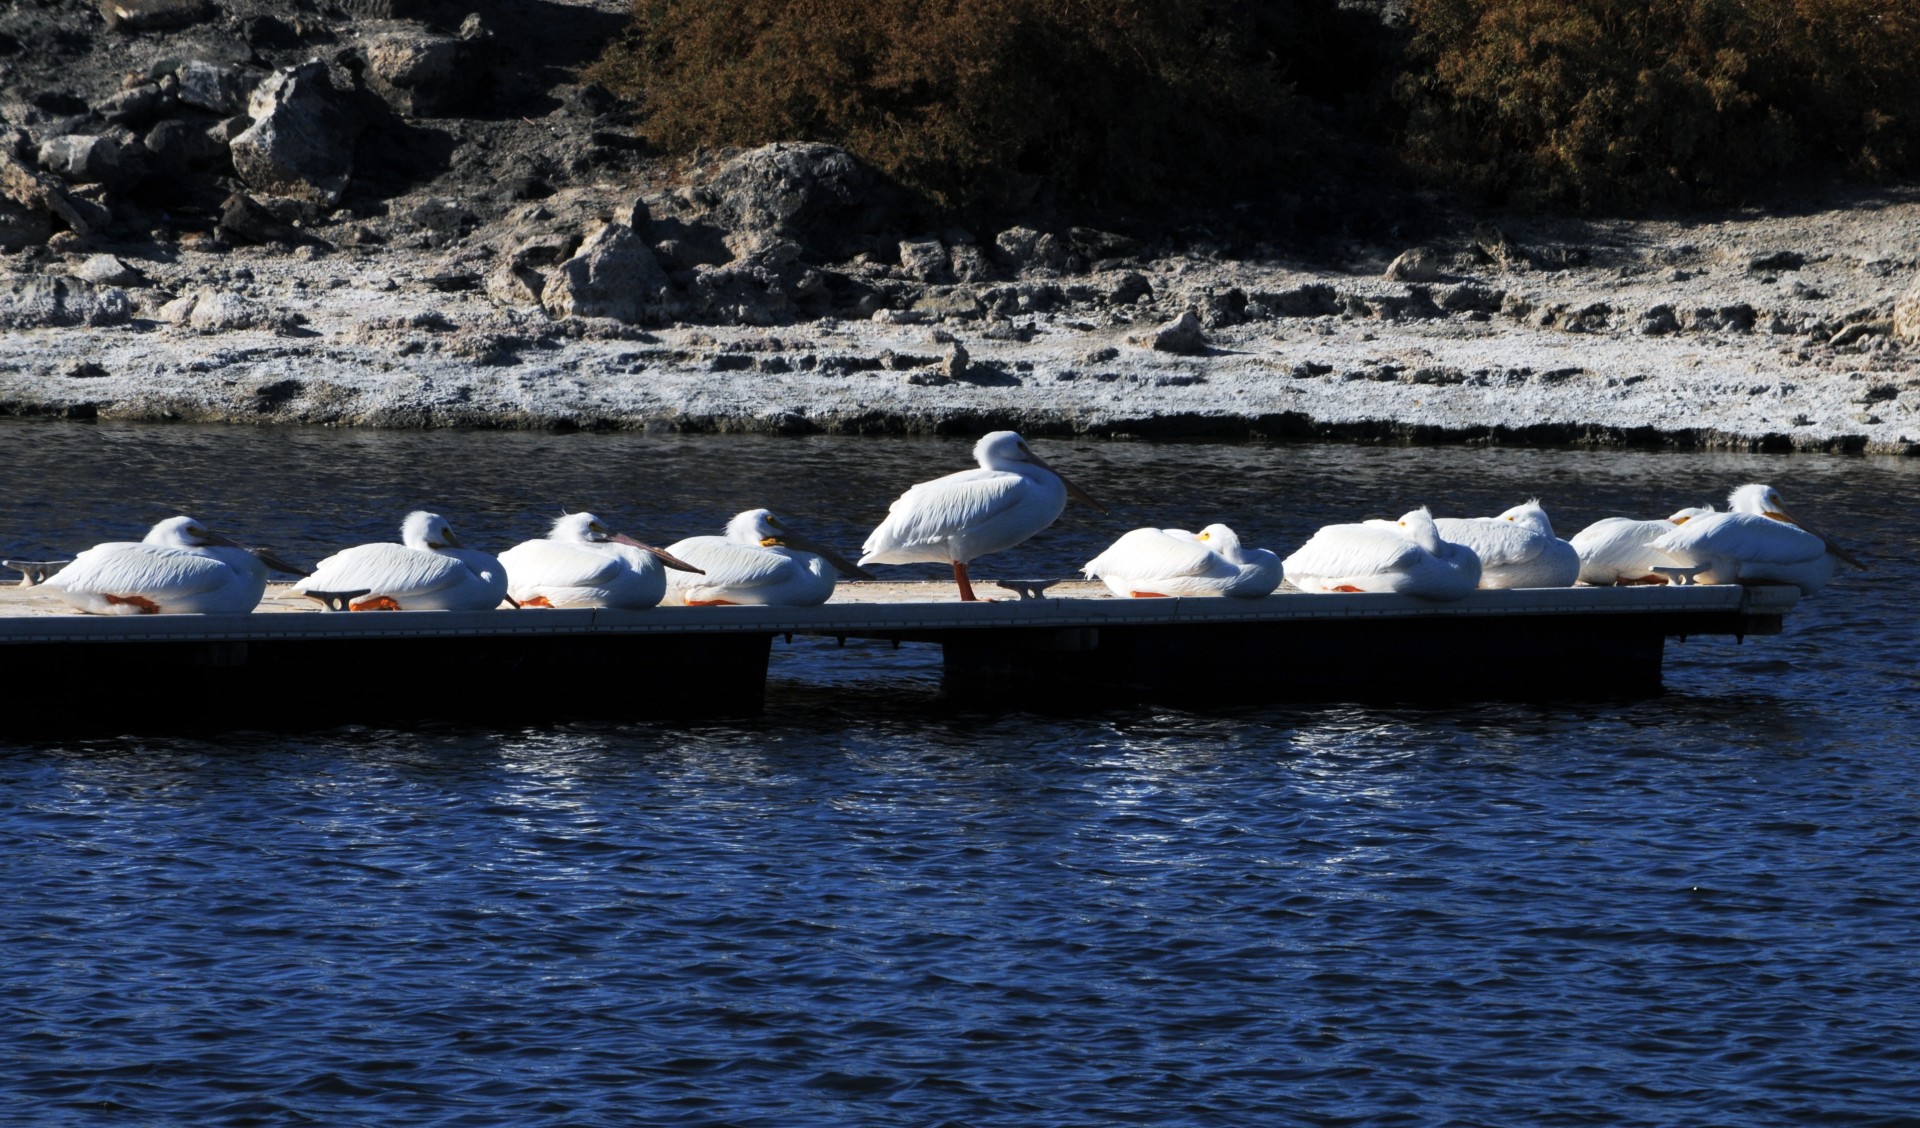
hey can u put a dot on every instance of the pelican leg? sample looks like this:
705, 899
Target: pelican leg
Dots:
966, 589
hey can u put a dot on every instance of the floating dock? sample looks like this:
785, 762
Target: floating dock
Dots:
291, 664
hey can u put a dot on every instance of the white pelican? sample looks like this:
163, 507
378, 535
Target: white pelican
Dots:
1517, 549
1619, 550
427, 571
582, 563
1175, 562
956, 519
1408, 556
761, 561
1757, 543
180, 567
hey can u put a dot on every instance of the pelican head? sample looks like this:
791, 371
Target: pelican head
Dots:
181, 532
1418, 527
756, 526
1220, 539
427, 531
1530, 515
1689, 513
760, 527
1006, 450
186, 532
581, 528
1759, 499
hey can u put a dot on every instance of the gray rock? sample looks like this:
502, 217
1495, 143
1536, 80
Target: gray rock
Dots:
22, 226
207, 310
1181, 336
925, 259
137, 106
1776, 260
1906, 313
34, 191
954, 365
417, 72
217, 88
40, 301
146, 15
969, 264
107, 270
1418, 264
819, 196
83, 158
300, 144
1657, 322
179, 148
519, 275
614, 274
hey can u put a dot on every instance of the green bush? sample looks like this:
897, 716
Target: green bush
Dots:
976, 101
1604, 103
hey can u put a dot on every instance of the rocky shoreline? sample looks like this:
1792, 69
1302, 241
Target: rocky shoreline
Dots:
786, 290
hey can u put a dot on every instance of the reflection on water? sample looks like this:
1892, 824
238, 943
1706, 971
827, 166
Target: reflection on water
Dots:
870, 906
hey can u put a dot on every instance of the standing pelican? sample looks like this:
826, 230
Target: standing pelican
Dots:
1174, 562
1759, 542
427, 571
582, 563
1408, 556
179, 567
1516, 549
1619, 550
953, 520
761, 561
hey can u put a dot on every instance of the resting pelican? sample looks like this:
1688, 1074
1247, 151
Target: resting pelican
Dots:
1757, 543
1408, 556
1619, 550
1517, 549
180, 567
1175, 562
761, 561
582, 563
427, 571
953, 520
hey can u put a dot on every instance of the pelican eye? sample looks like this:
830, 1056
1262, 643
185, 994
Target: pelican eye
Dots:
1206, 536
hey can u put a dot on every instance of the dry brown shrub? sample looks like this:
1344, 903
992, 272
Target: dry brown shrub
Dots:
973, 100
1604, 103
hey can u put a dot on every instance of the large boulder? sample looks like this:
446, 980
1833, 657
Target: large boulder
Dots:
40, 301
1906, 313
31, 201
614, 274
84, 158
417, 72
300, 144
818, 196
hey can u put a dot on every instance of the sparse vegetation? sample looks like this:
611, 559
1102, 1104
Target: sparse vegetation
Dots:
1608, 103
977, 100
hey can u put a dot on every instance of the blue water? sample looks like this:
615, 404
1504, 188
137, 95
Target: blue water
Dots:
870, 907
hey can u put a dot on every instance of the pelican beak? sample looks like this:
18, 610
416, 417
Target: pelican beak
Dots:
1072, 490
272, 560
1833, 546
665, 557
840, 563
266, 555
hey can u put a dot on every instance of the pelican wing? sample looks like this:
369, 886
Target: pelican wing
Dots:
154, 571
1354, 550
385, 569
1498, 544
729, 564
550, 563
1621, 546
1747, 537
1154, 553
931, 512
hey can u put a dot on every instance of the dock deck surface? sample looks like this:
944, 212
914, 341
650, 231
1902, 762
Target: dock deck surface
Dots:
892, 609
